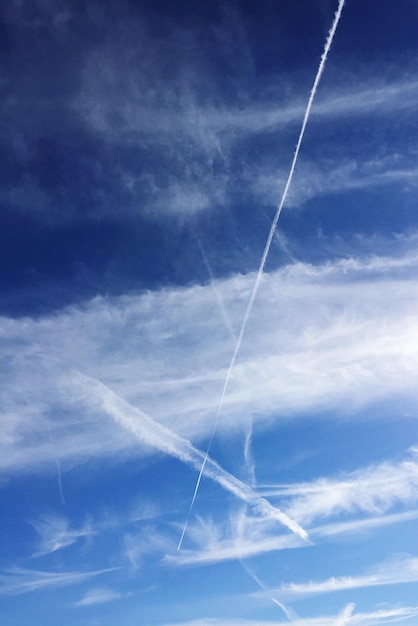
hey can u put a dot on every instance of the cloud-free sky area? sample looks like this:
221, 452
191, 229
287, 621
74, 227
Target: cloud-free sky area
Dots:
145, 148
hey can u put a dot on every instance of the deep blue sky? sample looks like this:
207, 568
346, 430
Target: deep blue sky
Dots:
145, 148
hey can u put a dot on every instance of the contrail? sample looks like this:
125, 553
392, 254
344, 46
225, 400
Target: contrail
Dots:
61, 492
248, 455
149, 432
57, 463
290, 614
215, 289
281, 240
345, 615
257, 281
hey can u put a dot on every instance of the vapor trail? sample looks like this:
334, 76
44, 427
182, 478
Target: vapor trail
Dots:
290, 614
57, 463
215, 289
150, 433
257, 281
248, 455
281, 240
61, 492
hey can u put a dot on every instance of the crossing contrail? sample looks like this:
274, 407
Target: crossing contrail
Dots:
149, 432
257, 281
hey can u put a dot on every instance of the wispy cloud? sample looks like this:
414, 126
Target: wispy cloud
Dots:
290, 613
373, 489
138, 546
248, 455
345, 615
348, 338
233, 549
378, 617
325, 178
99, 596
362, 525
150, 433
55, 533
17, 580
392, 573
244, 536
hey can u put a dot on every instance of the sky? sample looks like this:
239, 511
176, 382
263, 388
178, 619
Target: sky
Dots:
208, 313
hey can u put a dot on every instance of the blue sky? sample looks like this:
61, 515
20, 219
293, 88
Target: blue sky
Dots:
145, 149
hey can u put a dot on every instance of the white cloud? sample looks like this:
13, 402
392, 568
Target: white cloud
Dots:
18, 580
345, 615
138, 546
243, 536
99, 596
199, 142
373, 489
344, 335
378, 617
323, 178
150, 433
55, 533
391, 573
363, 525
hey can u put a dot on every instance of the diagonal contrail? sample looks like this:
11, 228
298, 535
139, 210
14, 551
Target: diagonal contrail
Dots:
215, 289
290, 614
151, 433
257, 281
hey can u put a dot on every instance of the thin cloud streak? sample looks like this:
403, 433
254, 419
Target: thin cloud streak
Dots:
393, 573
387, 615
289, 613
57, 463
99, 596
216, 291
55, 533
362, 525
382, 99
267, 247
18, 580
150, 433
248, 455
232, 550
252, 542
371, 489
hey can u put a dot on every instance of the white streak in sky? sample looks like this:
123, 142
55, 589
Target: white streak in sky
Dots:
55, 533
389, 573
281, 239
385, 615
215, 289
290, 614
98, 596
18, 580
248, 455
57, 463
345, 615
150, 433
267, 246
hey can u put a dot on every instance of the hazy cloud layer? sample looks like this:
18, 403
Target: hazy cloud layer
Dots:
338, 335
